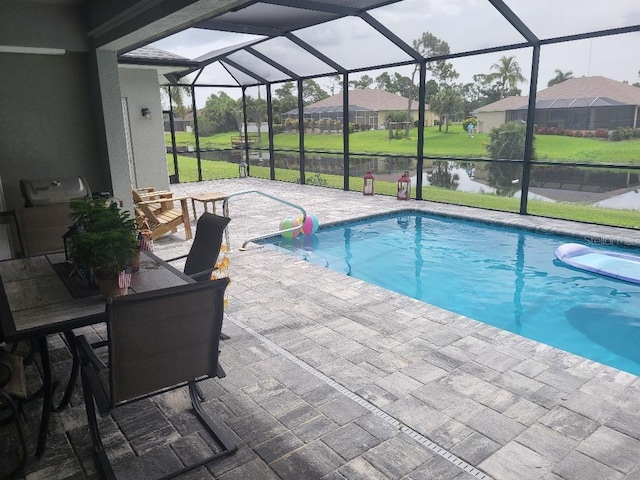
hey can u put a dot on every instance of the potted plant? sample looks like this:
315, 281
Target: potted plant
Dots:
104, 242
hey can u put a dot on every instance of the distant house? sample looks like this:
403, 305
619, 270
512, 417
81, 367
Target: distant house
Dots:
180, 124
586, 103
366, 107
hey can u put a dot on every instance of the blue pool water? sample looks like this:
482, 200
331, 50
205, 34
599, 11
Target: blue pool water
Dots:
502, 276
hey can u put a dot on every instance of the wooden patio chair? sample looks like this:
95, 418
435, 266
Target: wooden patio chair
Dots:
150, 194
162, 217
157, 341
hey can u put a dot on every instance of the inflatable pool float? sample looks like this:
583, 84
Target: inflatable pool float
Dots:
612, 264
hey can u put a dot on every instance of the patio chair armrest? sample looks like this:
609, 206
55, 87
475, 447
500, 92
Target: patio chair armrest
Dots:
176, 258
88, 354
159, 194
203, 275
155, 202
92, 369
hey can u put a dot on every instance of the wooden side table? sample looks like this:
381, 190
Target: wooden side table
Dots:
209, 197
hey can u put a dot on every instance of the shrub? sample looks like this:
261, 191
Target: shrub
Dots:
622, 133
467, 121
507, 141
602, 133
589, 134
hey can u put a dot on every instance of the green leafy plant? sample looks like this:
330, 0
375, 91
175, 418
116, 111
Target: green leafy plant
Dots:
105, 238
467, 121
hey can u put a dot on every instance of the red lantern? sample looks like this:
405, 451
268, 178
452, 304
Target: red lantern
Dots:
369, 181
404, 187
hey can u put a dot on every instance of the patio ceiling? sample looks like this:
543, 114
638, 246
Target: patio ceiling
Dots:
270, 41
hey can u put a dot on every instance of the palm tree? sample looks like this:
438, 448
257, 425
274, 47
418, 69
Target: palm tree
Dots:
507, 73
560, 77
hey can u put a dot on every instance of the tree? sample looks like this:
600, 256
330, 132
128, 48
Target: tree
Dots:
218, 115
431, 88
312, 92
427, 45
335, 81
560, 77
447, 101
179, 94
365, 81
284, 99
397, 83
508, 74
256, 112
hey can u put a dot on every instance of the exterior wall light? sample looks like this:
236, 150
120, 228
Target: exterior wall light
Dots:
146, 112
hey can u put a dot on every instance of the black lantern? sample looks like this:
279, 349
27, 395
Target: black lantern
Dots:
66, 239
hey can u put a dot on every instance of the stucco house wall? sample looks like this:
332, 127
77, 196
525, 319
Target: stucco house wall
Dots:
489, 120
140, 89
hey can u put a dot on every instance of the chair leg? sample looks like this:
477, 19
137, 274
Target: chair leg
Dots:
75, 369
219, 434
94, 431
47, 395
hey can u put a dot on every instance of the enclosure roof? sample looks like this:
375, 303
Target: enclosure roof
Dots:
257, 42
573, 103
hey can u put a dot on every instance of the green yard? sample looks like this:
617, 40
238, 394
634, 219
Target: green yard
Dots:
455, 143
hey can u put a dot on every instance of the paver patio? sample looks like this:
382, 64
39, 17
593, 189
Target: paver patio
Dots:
330, 377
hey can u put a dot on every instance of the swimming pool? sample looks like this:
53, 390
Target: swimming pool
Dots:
502, 276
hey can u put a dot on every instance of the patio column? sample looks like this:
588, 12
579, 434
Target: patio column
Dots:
115, 145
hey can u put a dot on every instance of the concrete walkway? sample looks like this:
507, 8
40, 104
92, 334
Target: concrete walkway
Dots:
330, 377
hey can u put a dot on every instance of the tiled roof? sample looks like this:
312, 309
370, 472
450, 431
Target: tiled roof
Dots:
153, 53
372, 98
509, 103
611, 91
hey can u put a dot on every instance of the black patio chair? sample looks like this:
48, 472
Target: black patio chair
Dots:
157, 341
205, 248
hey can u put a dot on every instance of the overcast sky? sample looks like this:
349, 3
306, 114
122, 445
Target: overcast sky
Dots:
465, 25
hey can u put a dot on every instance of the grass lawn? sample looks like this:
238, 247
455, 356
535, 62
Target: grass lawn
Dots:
455, 143
605, 216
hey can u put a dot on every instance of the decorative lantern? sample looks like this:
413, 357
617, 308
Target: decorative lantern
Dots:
404, 187
369, 182
66, 239
242, 169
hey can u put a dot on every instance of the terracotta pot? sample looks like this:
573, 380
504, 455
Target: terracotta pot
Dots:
109, 287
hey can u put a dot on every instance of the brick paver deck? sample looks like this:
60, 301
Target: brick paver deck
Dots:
330, 377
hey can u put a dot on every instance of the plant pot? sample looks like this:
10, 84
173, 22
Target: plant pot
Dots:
109, 287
